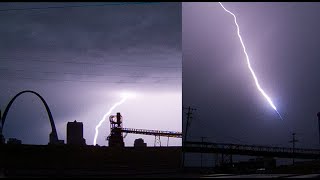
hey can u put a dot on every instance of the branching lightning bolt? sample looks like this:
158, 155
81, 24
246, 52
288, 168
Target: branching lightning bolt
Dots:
248, 62
105, 116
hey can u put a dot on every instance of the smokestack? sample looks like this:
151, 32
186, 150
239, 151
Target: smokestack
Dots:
118, 119
318, 114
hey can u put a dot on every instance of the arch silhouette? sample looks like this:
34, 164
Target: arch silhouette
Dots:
53, 134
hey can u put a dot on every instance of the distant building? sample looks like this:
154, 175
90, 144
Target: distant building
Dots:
75, 133
2, 140
139, 143
14, 141
53, 140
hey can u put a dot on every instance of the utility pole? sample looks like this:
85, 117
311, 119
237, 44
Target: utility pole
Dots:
189, 117
293, 141
201, 151
318, 114
184, 139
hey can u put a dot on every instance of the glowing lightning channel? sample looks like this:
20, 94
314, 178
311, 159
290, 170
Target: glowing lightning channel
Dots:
104, 117
248, 61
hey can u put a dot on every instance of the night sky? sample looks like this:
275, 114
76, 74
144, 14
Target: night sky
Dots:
81, 58
282, 41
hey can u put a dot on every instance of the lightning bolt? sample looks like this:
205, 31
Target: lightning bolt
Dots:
104, 117
248, 62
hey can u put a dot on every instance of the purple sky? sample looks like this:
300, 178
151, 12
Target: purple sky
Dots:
283, 45
80, 59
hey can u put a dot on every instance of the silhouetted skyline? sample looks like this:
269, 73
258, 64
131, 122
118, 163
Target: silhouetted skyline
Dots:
79, 59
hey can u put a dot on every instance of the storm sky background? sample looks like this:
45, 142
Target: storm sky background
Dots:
79, 59
282, 41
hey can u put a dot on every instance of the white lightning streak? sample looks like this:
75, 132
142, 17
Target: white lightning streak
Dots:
104, 118
248, 61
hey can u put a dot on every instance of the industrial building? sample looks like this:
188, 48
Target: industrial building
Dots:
139, 143
117, 130
116, 138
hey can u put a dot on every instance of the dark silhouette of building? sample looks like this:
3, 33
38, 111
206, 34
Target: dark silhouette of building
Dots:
139, 143
75, 133
2, 140
117, 130
14, 141
116, 138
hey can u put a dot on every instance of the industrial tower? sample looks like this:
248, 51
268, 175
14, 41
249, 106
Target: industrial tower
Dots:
115, 138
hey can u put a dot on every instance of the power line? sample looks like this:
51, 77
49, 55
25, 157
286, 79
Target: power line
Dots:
184, 139
293, 141
202, 138
96, 75
189, 118
74, 6
98, 64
